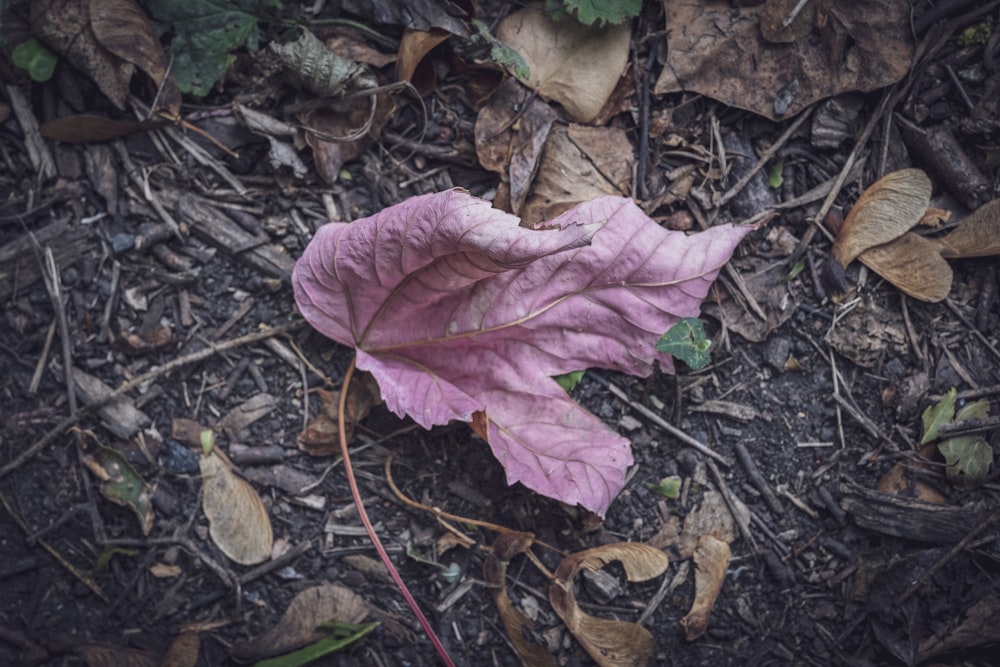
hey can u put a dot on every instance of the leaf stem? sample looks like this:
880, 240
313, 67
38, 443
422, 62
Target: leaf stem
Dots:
356, 494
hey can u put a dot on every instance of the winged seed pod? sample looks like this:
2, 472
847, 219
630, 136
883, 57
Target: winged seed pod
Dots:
976, 236
889, 208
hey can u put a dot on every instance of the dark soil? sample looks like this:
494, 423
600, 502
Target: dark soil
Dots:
823, 419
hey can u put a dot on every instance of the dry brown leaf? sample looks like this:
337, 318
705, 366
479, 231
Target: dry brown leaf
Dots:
913, 264
235, 422
238, 521
183, 651
711, 517
567, 176
888, 208
720, 50
411, 64
773, 15
869, 334
575, 65
711, 559
976, 627
321, 437
298, 626
510, 142
504, 548
978, 235
610, 643
64, 25
123, 28
343, 132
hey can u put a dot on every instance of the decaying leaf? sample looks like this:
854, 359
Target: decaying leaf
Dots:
938, 414
505, 547
575, 65
455, 309
728, 53
610, 643
238, 521
968, 457
411, 64
321, 437
183, 650
300, 624
318, 69
102, 655
711, 558
120, 483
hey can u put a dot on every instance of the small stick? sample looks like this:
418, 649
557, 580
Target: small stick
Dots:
730, 501
663, 423
743, 456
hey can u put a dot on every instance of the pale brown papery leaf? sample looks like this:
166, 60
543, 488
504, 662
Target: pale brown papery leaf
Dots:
238, 521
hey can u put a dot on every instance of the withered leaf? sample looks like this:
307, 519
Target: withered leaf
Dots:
299, 625
238, 521
610, 643
504, 548
711, 559
978, 235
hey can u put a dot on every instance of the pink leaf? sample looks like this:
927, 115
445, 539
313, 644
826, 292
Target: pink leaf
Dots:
455, 309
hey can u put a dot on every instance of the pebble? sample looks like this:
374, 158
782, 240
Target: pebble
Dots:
776, 352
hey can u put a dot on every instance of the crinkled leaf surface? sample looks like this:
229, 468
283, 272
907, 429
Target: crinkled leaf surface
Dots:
455, 309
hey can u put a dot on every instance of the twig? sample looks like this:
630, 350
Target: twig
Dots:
363, 515
662, 423
730, 500
743, 456
965, 541
195, 357
768, 155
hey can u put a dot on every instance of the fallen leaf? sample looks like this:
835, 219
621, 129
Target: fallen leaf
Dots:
942, 412
515, 622
411, 63
723, 51
64, 25
102, 655
321, 437
235, 422
455, 309
120, 483
611, 643
238, 521
318, 69
299, 626
572, 64
124, 29
568, 174
711, 558
511, 133
968, 457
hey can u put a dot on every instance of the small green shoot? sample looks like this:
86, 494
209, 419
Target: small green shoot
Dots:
35, 57
686, 341
775, 176
668, 487
341, 635
569, 381
501, 53
796, 269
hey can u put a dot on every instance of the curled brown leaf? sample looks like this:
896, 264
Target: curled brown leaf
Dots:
610, 643
711, 559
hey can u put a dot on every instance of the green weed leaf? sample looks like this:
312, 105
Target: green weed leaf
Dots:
941, 412
35, 57
204, 33
686, 341
775, 176
668, 487
341, 635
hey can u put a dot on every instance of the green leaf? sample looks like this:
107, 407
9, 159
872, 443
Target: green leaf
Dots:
341, 635
204, 33
591, 12
35, 57
501, 52
775, 177
686, 340
796, 269
668, 487
940, 413
121, 484
569, 381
